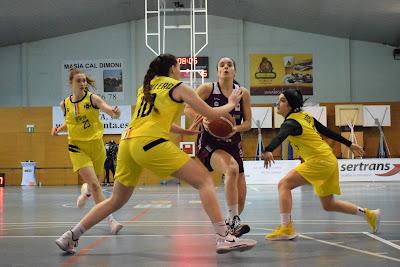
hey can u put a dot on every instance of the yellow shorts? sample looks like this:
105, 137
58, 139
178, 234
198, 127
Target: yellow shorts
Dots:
322, 173
160, 156
87, 154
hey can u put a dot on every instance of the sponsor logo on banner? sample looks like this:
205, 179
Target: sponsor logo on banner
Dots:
111, 126
393, 171
357, 170
380, 169
270, 74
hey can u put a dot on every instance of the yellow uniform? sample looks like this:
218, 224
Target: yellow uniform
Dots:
145, 142
320, 166
85, 134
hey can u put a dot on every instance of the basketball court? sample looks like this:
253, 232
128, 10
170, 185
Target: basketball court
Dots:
166, 226
342, 56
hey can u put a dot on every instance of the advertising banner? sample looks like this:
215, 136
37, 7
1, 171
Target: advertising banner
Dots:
372, 170
107, 73
270, 74
111, 126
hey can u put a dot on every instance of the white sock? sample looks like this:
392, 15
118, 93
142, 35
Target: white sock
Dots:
220, 228
361, 212
285, 218
233, 210
77, 231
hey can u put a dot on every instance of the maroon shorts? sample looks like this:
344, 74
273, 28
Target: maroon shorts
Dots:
234, 149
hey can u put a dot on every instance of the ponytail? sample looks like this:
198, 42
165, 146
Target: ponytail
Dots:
160, 66
90, 82
146, 86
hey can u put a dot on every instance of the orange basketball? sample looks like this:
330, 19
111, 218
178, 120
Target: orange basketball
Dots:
220, 127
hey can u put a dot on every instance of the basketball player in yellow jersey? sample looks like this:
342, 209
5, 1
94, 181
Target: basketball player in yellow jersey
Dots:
145, 144
85, 137
320, 166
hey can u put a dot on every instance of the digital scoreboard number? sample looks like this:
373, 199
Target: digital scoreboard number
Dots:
200, 63
2, 180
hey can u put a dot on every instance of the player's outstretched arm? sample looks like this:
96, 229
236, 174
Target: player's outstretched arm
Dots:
114, 112
186, 94
203, 91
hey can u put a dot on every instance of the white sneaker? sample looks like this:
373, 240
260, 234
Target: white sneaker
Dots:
67, 243
84, 196
230, 243
115, 226
236, 228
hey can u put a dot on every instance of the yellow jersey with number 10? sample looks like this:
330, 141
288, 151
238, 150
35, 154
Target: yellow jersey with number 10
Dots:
309, 144
82, 119
148, 122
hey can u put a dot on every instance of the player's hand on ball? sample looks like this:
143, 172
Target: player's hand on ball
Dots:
193, 128
206, 122
197, 120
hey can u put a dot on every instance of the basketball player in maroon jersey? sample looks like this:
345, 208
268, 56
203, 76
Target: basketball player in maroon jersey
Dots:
225, 154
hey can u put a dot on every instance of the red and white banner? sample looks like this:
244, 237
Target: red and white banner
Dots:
350, 170
369, 170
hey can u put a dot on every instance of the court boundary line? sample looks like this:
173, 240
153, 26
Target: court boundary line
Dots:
315, 233
350, 248
387, 242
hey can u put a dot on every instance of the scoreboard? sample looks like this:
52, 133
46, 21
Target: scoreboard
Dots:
200, 63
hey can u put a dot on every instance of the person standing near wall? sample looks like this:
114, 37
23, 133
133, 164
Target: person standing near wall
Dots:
109, 164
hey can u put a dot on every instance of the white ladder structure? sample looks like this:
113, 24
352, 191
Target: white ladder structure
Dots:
197, 10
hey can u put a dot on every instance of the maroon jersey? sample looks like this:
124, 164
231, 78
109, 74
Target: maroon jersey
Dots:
207, 143
217, 99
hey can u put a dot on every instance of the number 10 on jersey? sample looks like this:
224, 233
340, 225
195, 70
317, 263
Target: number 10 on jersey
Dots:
145, 108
